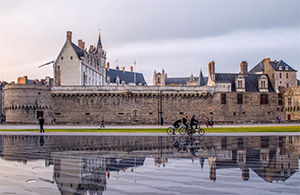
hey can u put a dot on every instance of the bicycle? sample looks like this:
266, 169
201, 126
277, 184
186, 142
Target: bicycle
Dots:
172, 131
191, 131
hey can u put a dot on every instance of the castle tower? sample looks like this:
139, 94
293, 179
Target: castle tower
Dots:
159, 79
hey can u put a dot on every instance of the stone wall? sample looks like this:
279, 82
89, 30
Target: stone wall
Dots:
292, 106
147, 105
23, 101
134, 104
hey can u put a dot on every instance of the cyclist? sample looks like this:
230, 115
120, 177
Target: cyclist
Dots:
194, 122
177, 123
185, 122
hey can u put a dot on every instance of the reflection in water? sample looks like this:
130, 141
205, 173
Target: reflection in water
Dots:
82, 165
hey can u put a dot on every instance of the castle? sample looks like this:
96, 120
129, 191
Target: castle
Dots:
86, 90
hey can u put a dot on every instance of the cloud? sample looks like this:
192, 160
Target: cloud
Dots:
182, 57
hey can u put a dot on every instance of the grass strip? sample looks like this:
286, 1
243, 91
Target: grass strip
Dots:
163, 130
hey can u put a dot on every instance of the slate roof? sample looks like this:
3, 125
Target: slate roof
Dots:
126, 76
251, 84
260, 66
78, 51
32, 82
183, 80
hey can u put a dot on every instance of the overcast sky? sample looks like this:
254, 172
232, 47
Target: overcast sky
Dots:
181, 36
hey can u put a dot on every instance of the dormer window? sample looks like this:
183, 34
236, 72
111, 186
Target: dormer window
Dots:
263, 84
240, 83
286, 68
280, 67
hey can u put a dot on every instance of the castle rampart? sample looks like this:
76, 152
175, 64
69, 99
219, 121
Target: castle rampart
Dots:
135, 104
24, 102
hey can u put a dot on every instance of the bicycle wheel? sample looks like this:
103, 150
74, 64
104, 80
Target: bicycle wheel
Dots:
182, 131
201, 132
170, 131
170, 139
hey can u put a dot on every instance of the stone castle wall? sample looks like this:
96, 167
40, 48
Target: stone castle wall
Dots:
23, 101
134, 105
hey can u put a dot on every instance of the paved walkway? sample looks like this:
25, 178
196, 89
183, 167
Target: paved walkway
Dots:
8, 126
137, 126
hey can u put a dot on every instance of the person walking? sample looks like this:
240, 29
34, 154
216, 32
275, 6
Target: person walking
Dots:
102, 124
41, 123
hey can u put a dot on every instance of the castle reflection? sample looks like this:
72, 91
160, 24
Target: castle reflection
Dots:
82, 165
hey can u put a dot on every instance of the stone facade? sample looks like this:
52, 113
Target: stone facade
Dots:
135, 104
23, 103
292, 103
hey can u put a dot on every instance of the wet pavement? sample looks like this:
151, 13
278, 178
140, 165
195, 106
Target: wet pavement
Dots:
154, 164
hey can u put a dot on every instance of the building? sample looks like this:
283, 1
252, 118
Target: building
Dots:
78, 66
86, 90
2, 110
292, 103
280, 73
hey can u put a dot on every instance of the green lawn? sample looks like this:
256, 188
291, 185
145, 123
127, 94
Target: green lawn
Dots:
163, 130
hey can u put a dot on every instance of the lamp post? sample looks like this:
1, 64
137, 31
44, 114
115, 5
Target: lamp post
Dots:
160, 108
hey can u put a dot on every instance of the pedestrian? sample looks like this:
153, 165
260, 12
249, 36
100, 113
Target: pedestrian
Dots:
54, 121
211, 122
41, 123
278, 120
206, 122
102, 124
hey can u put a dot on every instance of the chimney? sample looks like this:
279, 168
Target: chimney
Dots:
244, 67
267, 60
107, 65
91, 48
83, 45
131, 68
123, 68
117, 68
80, 44
20, 80
25, 79
211, 68
36, 81
69, 35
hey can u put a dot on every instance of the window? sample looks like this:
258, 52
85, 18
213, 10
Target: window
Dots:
223, 98
263, 84
58, 67
287, 85
289, 101
87, 113
71, 57
280, 75
61, 57
287, 75
286, 68
240, 98
264, 99
280, 102
240, 84
280, 67
58, 113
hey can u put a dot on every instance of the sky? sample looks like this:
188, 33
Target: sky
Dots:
179, 36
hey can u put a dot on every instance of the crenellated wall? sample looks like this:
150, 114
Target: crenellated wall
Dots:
22, 102
134, 104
